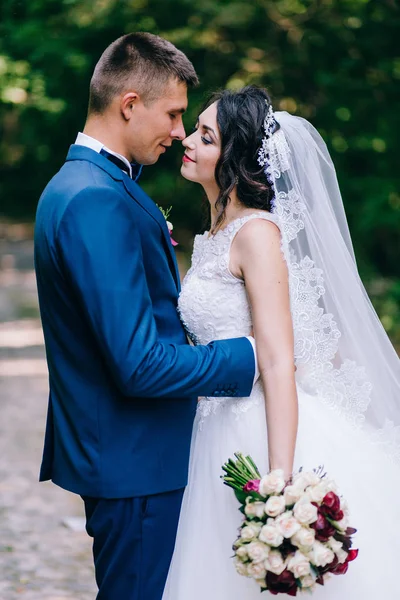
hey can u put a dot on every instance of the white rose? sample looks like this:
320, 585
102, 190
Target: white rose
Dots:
275, 505
170, 226
299, 565
317, 493
257, 551
256, 570
307, 581
254, 509
275, 563
271, 536
250, 531
241, 552
334, 545
305, 512
330, 485
273, 483
262, 583
304, 538
287, 524
311, 478
292, 494
241, 567
320, 555
300, 481
341, 555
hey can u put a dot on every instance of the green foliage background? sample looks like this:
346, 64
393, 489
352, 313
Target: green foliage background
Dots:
335, 62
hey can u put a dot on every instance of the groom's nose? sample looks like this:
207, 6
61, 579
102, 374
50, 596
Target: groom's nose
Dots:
178, 132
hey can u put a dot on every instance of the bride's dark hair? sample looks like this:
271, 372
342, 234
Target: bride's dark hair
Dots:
240, 118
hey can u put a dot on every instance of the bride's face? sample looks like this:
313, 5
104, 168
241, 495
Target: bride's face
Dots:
202, 149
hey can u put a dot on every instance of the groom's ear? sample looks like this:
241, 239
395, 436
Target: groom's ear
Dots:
128, 103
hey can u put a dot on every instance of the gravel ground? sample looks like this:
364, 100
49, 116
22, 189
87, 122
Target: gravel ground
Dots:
40, 557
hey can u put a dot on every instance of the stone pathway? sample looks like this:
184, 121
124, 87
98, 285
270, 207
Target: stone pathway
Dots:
40, 558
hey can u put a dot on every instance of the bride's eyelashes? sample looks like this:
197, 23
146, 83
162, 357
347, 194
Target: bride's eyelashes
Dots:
203, 139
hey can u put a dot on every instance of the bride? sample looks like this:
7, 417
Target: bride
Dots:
278, 261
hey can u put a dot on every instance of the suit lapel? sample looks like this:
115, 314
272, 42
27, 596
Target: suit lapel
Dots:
150, 207
77, 152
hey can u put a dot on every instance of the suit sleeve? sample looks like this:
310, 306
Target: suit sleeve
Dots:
101, 253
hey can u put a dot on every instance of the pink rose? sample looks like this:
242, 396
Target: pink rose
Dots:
252, 486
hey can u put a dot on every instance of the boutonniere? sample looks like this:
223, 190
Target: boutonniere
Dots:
166, 214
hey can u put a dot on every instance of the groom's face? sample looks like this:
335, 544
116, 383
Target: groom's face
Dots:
155, 126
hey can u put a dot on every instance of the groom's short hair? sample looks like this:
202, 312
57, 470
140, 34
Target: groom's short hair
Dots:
138, 61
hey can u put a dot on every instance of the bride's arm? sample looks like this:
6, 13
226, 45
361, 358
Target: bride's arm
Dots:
256, 257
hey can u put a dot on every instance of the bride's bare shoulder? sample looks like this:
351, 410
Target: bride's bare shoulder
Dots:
259, 230
256, 247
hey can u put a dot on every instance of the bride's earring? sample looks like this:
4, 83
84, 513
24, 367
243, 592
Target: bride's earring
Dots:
237, 180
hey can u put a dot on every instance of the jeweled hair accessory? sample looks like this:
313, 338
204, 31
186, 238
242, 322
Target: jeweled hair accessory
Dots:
274, 152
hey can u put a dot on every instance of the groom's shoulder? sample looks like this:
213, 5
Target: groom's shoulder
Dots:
74, 178
78, 200
86, 187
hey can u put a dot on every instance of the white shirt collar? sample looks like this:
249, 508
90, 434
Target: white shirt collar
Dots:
85, 140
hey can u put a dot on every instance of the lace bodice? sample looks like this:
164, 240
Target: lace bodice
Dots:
213, 303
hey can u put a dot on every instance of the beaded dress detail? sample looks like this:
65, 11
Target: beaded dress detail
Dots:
213, 303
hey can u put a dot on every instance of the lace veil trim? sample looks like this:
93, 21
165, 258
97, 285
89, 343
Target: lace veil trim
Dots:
316, 333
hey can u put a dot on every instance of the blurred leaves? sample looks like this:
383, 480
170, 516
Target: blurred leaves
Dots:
334, 62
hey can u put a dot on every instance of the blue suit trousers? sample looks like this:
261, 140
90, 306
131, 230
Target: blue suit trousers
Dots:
133, 543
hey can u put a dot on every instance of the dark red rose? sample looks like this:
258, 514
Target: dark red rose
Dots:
252, 486
323, 529
352, 555
341, 569
320, 523
332, 501
331, 506
338, 516
285, 583
287, 548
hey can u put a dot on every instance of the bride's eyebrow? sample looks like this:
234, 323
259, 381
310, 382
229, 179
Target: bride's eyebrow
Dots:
206, 128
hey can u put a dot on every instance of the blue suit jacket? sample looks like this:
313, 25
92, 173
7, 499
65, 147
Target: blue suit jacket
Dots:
123, 379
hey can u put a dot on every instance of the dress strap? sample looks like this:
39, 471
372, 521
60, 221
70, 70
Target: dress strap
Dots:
235, 226
224, 238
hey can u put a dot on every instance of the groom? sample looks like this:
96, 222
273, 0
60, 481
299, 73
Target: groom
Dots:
123, 379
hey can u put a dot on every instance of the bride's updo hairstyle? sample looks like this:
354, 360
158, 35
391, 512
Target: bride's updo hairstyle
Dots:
240, 118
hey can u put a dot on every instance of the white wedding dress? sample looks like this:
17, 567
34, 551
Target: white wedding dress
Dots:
213, 305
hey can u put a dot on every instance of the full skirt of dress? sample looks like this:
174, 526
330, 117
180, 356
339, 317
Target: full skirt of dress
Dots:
202, 567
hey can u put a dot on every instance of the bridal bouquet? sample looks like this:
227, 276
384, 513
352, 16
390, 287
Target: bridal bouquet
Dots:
293, 535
